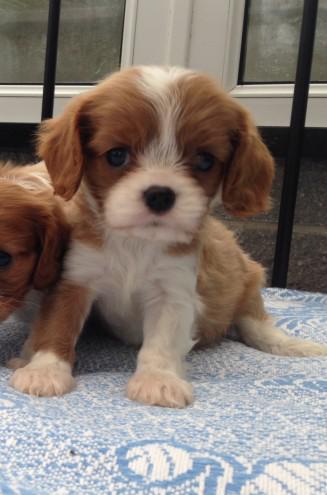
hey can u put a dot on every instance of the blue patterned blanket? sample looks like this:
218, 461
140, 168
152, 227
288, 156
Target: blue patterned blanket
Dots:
258, 425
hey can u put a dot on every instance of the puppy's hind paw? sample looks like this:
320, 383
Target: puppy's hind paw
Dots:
159, 388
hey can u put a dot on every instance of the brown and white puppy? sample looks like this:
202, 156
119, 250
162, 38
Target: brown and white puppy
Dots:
33, 236
142, 158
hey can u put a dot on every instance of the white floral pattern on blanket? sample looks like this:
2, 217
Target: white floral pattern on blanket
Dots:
258, 425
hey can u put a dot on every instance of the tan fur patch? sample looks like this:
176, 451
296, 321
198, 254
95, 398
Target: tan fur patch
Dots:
59, 334
86, 224
229, 282
183, 249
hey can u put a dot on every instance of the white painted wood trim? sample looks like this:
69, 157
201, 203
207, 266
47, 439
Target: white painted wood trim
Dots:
232, 53
208, 36
275, 91
127, 52
35, 90
162, 32
23, 103
271, 104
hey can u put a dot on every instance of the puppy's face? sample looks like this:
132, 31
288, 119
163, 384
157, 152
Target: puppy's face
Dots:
156, 148
32, 239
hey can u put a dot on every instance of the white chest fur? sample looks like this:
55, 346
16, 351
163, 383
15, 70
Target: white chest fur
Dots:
127, 275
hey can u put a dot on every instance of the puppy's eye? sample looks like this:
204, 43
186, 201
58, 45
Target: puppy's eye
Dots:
118, 157
5, 259
204, 161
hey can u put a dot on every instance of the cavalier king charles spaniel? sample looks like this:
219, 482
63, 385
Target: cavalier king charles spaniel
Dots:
141, 159
33, 236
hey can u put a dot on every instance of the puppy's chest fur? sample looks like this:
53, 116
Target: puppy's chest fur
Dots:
128, 276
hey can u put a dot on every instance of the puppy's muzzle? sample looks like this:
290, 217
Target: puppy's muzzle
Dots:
159, 199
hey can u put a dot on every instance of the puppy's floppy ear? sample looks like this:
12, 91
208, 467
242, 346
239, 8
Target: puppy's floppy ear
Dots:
249, 174
53, 232
60, 146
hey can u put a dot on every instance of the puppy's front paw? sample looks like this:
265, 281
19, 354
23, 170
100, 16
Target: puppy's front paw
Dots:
52, 379
159, 388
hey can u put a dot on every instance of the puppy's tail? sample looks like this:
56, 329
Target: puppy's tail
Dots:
265, 336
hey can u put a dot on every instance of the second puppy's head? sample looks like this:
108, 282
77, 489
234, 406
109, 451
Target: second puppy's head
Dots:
156, 147
33, 238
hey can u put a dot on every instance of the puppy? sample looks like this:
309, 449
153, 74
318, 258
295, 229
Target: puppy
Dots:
142, 158
33, 236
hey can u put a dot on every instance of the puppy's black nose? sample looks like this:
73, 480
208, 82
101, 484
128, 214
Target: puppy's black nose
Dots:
159, 199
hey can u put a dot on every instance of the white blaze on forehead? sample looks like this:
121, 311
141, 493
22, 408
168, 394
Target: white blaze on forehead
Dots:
157, 84
157, 79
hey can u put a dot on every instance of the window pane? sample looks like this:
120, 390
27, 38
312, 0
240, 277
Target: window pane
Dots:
272, 39
90, 40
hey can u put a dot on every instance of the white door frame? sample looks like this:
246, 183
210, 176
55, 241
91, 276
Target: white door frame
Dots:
270, 104
202, 34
